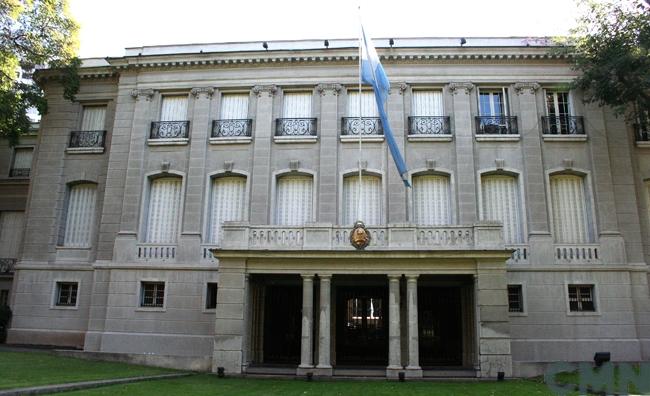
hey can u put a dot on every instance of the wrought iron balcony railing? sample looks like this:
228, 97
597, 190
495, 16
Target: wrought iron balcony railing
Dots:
429, 125
642, 133
295, 127
19, 172
496, 125
170, 130
563, 125
7, 265
232, 128
87, 139
365, 126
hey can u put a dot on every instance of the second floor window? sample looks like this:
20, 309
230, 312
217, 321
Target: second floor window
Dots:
163, 210
94, 118
227, 203
296, 105
501, 202
11, 233
173, 108
362, 105
234, 106
22, 162
293, 200
80, 215
431, 200
557, 104
570, 209
371, 202
493, 102
427, 103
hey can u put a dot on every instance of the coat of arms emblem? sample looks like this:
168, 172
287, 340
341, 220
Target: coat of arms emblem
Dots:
359, 236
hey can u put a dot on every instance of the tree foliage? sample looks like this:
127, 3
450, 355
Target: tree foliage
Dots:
611, 50
33, 33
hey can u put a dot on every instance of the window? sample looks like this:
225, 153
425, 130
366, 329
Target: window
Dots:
227, 203
152, 294
515, 298
493, 102
66, 294
427, 103
431, 200
93, 118
371, 201
501, 202
234, 106
174, 108
11, 233
557, 104
80, 215
293, 202
22, 162
581, 298
570, 209
4, 298
163, 210
363, 105
297, 105
211, 296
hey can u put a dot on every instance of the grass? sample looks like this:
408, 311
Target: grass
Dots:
23, 369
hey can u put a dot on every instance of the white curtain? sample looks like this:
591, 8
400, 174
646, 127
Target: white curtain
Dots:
174, 108
11, 233
80, 215
234, 107
570, 209
164, 210
501, 202
93, 118
370, 197
427, 103
23, 157
227, 203
297, 105
293, 203
431, 200
368, 104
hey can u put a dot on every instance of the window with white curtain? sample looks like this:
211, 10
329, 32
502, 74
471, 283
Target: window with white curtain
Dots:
11, 233
297, 105
427, 103
22, 162
431, 200
174, 108
163, 211
371, 199
80, 215
227, 203
501, 202
293, 200
93, 118
363, 105
570, 209
234, 106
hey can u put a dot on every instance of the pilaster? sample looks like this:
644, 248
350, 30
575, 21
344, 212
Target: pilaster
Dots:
261, 177
396, 192
328, 133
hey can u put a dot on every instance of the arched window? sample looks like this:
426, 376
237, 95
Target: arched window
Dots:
371, 199
80, 215
227, 203
570, 209
293, 200
431, 200
163, 210
501, 202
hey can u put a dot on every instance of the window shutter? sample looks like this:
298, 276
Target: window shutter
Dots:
427, 103
370, 196
570, 216
368, 104
297, 105
174, 108
23, 157
234, 107
227, 203
294, 200
431, 200
80, 215
11, 233
93, 118
164, 210
500, 195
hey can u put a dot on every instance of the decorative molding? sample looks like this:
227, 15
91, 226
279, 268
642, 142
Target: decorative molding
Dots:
431, 164
455, 86
402, 87
208, 91
147, 93
363, 164
329, 88
522, 87
567, 163
294, 165
269, 89
500, 163
164, 166
228, 166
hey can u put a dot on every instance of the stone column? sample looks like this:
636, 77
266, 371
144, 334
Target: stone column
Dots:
413, 369
394, 336
396, 193
306, 360
328, 175
324, 367
261, 177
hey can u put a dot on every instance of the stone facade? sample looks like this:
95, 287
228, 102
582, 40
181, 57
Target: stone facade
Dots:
468, 255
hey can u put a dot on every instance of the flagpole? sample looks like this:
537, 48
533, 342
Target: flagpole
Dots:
359, 201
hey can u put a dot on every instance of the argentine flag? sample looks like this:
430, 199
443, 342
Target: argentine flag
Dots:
373, 73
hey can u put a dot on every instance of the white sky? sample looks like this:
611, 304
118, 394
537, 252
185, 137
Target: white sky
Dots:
107, 27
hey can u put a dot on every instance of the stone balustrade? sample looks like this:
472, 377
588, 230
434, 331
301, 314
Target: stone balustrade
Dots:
577, 253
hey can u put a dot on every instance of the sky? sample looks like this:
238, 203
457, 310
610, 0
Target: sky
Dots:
107, 27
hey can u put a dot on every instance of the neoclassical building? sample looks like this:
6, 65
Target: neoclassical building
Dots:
193, 207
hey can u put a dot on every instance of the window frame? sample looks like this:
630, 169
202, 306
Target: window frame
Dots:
522, 295
56, 291
63, 228
453, 218
592, 220
13, 160
274, 192
141, 294
503, 90
522, 196
207, 297
4, 297
144, 204
364, 172
594, 297
207, 210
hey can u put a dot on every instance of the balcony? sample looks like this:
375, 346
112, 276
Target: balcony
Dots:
86, 142
642, 135
369, 128
292, 130
498, 128
169, 133
7, 266
231, 131
577, 253
429, 128
563, 128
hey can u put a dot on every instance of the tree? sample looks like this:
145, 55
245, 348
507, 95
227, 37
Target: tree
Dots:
611, 50
33, 33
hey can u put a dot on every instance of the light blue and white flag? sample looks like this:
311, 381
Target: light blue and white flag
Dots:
373, 73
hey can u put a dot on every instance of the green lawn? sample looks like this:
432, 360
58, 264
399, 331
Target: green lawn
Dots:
23, 369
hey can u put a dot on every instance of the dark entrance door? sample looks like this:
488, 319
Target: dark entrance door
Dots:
361, 326
440, 328
282, 324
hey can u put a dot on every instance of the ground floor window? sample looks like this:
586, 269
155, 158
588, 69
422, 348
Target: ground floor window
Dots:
515, 298
66, 294
152, 294
211, 296
4, 298
581, 298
